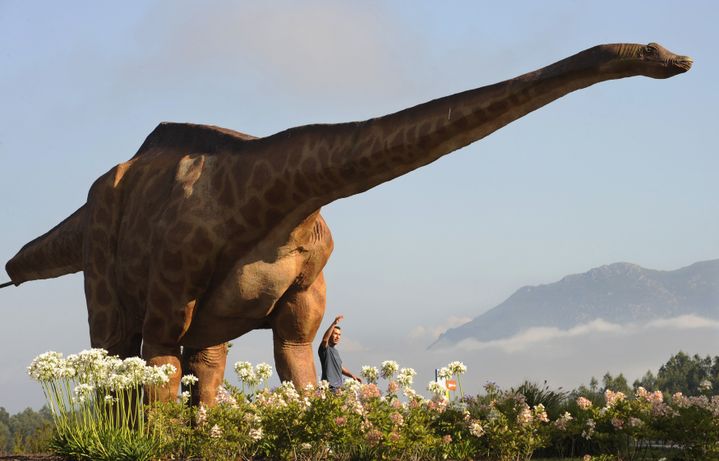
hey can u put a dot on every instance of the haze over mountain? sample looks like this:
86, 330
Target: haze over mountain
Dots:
620, 293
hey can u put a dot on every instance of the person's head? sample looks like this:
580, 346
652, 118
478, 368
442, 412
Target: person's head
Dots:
335, 336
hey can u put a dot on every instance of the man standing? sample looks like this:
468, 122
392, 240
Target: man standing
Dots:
332, 369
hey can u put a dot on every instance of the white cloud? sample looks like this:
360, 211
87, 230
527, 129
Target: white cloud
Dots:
319, 46
684, 322
431, 333
534, 336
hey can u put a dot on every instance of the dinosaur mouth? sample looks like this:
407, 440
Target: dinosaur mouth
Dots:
683, 62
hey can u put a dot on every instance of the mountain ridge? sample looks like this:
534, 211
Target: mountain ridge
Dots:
619, 292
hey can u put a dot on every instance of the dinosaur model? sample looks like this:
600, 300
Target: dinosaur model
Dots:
207, 233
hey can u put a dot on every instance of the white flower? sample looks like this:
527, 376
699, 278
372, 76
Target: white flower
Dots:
405, 377
252, 418
117, 382
189, 380
169, 370
156, 375
412, 395
351, 384
46, 366
224, 397
88, 365
185, 397
201, 415
216, 432
588, 431
243, 370
389, 368
263, 371
562, 422
306, 446
476, 429
247, 374
109, 400
370, 373
457, 368
287, 389
444, 373
309, 387
323, 386
134, 368
256, 434
436, 388
84, 392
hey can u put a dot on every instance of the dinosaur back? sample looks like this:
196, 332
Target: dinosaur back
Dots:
192, 138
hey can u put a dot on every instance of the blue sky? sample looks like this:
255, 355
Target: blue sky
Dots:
622, 171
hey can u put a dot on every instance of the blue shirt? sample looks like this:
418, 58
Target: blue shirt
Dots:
331, 366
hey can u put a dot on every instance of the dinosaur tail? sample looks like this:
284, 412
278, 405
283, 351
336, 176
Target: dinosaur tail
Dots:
57, 252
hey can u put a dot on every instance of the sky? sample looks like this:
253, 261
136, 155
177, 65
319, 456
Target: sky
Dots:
622, 171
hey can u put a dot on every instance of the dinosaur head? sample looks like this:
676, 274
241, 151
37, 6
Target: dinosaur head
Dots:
653, 60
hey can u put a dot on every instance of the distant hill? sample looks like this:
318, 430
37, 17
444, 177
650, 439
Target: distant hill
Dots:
617, 293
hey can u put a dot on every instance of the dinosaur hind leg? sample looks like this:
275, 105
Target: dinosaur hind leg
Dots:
208, 365
295, 321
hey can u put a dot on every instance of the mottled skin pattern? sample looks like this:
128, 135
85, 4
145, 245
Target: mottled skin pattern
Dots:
206, 233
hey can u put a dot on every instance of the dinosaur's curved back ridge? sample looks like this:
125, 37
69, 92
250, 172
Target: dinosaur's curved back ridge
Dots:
193, 137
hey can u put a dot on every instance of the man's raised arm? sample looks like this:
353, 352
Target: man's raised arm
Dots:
328, 333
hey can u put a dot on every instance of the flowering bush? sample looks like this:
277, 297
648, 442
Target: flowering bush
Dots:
95, 400
96, 403
631, 427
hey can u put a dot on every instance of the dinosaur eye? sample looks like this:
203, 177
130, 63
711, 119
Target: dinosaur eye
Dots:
649, 51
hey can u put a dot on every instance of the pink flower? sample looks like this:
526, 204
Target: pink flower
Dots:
340, 420
447, 439
369, 391
618, 423
613, 397
661, 409
584, 403
656, 397
394, 437
540, 413
525, 416
652, 397
373, 436
392, 387
396, 418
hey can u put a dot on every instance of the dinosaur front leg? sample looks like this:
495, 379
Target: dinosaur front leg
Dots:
163, 326
208, 365
295, 321
109, 327
158, 355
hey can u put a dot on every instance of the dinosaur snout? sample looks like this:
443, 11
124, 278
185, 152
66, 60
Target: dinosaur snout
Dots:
684, 63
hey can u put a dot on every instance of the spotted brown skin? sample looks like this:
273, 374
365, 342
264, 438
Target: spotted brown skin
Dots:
207, 233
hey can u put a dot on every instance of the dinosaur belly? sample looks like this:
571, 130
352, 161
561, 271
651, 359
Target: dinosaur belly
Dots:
257, 281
